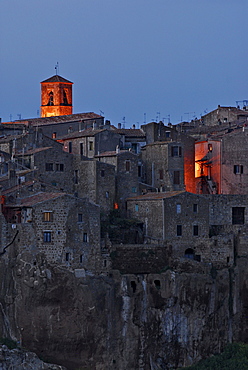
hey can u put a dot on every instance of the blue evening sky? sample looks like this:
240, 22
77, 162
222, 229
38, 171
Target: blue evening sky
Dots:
126, 58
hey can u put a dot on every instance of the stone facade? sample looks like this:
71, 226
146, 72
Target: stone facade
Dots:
65, 229
126, 172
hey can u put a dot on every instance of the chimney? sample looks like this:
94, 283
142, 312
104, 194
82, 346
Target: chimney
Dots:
133, 127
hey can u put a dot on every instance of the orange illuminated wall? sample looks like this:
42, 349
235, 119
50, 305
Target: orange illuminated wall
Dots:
56, 97
208, 161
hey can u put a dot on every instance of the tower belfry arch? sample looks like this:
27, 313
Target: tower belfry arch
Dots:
56, 97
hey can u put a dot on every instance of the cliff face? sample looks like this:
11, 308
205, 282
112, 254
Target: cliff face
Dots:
146, 321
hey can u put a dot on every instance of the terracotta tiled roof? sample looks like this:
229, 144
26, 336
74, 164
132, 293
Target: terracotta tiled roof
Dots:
84, 133
57, 119
39, 198
154, 196
57, 78
33, 151
112, 153
130, 132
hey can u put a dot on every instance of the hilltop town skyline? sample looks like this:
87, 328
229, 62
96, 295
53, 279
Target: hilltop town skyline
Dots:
145, 62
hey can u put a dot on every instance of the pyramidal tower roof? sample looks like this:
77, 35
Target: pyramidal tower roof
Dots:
57, 78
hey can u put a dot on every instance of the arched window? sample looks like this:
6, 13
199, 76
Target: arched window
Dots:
189, 253
50, 101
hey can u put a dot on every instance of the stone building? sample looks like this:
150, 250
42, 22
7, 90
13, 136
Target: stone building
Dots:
126, 174
208, 166
205, 228
95, 180
90, 142
221, 163
159, 133
63, 228
164, 165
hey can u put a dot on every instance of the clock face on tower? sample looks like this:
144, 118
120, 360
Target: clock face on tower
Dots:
56, 97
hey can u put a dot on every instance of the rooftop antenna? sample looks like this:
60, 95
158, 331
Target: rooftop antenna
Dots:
144, 118
19, 116
124, 121
57, 68
101, 112
188, 113
158, 116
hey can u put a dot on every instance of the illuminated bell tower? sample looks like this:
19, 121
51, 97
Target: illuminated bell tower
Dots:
56, 97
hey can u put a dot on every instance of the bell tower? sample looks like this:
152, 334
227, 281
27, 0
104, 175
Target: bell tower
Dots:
56, 97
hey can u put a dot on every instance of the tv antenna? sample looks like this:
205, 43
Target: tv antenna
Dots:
188, 113
57, 68
144, 118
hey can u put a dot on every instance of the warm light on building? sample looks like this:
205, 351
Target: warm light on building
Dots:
56, 97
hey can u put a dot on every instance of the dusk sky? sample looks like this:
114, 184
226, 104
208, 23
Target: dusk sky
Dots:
164, 58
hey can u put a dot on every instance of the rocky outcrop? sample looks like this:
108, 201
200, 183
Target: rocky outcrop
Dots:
122, 321
23, 360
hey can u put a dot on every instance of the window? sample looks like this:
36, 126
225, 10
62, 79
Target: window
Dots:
195, 230
107, 194
176, 151
238, 215
179, 230
238, 169
167, 134
210, 148
189, 253
47, 236
195, 208
60, 167
81, 258
176, 177
70, 146
54, 135
76, 177
47, 216
134, 189
91, 146
85, 237
67, 256
102, 173
179, 208
161, 174
128, 166
49, 166
139, 171
81, 148
80, 217
136, 207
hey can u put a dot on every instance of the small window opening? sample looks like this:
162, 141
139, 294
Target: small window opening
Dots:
189, 253
195, 230
67, 256
238, 169
195, 208
85, 237
128, 166
179, 208
157, 284
80, 217
210, 148
238, 215
179, 230
176, 177
133, 286
81, 258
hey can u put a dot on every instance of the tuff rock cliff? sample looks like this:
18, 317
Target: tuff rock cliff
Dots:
122, 321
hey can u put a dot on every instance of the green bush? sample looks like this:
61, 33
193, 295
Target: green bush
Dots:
234, 357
